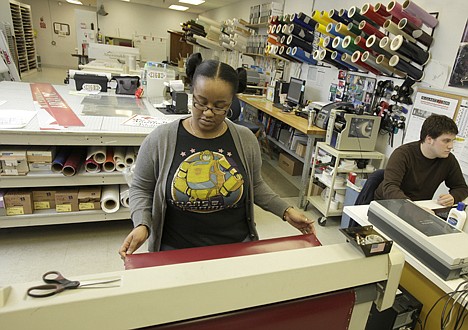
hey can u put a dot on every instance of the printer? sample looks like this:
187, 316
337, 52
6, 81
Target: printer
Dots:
441, 247
347, 130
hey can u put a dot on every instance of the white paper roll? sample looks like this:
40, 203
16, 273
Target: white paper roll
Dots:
98, 153
124, 195
130, 156
119, 158
209, 21
208, 43
110, 201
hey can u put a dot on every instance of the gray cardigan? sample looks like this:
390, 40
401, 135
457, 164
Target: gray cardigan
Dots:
148, 188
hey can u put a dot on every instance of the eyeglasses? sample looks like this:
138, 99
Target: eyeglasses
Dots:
216, 111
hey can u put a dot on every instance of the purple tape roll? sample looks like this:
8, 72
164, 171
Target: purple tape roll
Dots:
413, 9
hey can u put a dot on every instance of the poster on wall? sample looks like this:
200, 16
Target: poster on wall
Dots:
459, 76
426, 104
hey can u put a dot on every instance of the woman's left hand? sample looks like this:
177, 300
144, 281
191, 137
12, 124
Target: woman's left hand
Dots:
299, 221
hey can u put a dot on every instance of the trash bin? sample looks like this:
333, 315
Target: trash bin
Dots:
352, 192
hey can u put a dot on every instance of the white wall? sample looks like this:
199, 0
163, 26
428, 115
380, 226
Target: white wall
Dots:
5, 14
58, 54
124, 20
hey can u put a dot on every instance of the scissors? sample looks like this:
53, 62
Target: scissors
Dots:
57, 283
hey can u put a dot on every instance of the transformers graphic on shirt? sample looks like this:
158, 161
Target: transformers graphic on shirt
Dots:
207, 181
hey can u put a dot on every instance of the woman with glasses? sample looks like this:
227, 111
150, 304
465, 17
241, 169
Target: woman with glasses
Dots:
196, 179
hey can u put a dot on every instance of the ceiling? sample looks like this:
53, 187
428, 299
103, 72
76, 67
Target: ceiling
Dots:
207, 5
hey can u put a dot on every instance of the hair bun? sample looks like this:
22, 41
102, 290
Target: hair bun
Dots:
191, 64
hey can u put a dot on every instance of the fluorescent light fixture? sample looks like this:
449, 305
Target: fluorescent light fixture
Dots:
126, 0
177, 7
75, 2
193, 2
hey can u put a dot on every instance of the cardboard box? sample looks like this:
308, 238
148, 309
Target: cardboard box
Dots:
18, 202
316, 190
43, 199
89, 198
2, 202
40, 167
290, 165
66, 200
301, 149
38, 154
13, 162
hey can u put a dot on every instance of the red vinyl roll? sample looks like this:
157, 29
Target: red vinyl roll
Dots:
356, 59
368, 11
92, 166
361, 42
73, 162
397, 12
381, 9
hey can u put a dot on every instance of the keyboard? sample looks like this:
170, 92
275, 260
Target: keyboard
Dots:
282, 107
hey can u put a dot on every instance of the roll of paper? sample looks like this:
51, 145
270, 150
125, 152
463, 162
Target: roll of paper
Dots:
393, 28
370, 29
356, 59
130, 156
384, 62
59, 160
98, 153
335, 15
110, 199
417, 33
209, 21
331, 28
208, 43
91, 166
124, 195
73, 163
109, 164
119, 158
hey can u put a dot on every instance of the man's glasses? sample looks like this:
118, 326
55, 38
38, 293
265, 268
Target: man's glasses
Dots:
216, 111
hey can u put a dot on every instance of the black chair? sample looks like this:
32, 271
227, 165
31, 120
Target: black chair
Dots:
235, 113
367, 192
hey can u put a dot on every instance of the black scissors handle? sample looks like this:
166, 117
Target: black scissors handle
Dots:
55, 283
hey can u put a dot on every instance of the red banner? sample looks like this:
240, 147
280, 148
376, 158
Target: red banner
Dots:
50, 100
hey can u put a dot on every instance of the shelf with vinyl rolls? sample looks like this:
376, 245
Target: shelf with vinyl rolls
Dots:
384, 40
50, 217
51, 179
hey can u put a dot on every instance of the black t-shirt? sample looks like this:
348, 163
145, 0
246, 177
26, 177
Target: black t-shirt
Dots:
205, 193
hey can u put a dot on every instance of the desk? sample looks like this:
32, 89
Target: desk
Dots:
417, 278
299, 123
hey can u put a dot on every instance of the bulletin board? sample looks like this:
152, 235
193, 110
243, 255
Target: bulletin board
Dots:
430, 101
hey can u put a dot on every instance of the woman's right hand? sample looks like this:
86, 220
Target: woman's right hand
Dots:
133, 241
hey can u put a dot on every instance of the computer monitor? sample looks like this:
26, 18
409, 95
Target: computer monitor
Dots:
295, 91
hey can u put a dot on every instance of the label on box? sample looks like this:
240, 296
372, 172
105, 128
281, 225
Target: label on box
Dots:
15, 210
41, 205
63, 208
10, 171
12, 162
86, 206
